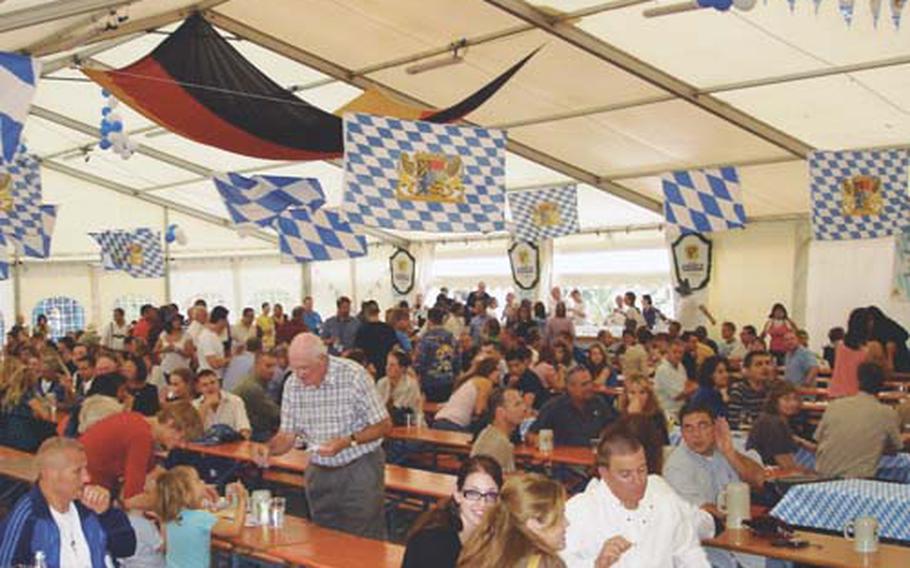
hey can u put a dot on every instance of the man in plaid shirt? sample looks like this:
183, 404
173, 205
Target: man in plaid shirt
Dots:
332, 404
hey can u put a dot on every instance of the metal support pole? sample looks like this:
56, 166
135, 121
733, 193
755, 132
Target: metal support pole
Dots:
17, 286
167, 258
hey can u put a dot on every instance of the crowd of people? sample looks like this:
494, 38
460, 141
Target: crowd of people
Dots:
96, 407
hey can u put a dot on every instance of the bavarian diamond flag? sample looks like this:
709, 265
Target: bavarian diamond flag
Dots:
422, 176
704, 200
137, 252
859, 194
544, 213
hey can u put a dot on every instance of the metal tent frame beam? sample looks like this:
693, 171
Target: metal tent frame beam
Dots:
329, 68
611, 54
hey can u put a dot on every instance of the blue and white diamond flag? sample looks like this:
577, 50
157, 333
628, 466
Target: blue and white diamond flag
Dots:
137, 252
322, 234
35, 241
421, 176
705, 200
24, 220
544, 213
259, 199
18, 79
859, 194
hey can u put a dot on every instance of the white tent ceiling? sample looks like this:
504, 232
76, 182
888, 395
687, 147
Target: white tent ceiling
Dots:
613, 98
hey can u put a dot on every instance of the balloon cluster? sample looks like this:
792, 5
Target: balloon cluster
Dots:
112, 133
175, 233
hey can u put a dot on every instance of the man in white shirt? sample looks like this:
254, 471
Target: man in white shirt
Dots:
670, 379
631, 311
198, 318
217, 406
116, 331
731, 347
243, 329
210, 347
627, 518
555, 298
63, 511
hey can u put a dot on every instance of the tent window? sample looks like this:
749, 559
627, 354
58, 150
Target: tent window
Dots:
63, 315
130, 304
272, 296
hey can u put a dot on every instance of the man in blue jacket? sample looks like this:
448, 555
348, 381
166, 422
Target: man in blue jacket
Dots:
71, 522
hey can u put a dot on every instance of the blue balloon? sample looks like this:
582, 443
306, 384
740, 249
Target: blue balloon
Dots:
722, 5
118, 126
105, 111
171, 234
106, 128
105, 93
104, 144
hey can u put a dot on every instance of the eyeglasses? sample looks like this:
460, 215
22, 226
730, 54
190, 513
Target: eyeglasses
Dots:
474, 495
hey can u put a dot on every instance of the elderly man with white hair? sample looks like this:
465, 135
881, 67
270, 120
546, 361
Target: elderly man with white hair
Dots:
70, 522
332, 404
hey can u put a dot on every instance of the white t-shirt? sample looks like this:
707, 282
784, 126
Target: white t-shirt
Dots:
209, 344
74, 549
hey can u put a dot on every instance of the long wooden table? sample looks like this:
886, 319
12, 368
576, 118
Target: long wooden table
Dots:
460, 441
397, 478
823, 550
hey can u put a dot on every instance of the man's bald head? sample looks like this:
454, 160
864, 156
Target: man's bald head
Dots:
62, 470
56, 451
308, 358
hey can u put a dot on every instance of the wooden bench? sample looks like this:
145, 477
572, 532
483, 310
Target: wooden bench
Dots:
823, 550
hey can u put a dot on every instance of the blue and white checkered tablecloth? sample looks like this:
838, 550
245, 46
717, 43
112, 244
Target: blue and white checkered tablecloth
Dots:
831, 505
894, 467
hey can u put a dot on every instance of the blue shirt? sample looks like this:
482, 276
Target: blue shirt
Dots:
237, 370
709, 398
189, 539
797, 365
696, 478
313, 321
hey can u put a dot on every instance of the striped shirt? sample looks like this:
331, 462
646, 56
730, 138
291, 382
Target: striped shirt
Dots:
345, 402
745, 403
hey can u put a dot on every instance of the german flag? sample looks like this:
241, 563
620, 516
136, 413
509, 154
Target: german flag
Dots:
196, 84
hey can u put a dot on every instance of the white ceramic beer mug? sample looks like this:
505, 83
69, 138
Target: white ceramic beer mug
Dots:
734, 501
863, 531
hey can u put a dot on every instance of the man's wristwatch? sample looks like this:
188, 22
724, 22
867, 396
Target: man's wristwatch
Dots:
354, 443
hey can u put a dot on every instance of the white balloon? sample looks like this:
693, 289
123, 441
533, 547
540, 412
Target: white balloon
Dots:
180, 236
744, 5
113, 102
132, 145
126, 154
114, 117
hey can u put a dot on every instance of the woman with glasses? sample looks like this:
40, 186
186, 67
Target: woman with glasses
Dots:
438, 535
525, 529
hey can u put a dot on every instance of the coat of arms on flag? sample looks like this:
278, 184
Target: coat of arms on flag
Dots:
24, 220
18, 79
137, 252
859, 194
544, 213
704, 200
422, 176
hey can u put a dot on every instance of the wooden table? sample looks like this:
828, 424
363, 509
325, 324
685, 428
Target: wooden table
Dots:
823, 550
397, 478
569, 455
304, 543
18, 465
325, 548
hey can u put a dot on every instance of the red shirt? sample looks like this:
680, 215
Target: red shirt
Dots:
141, 329
120, 445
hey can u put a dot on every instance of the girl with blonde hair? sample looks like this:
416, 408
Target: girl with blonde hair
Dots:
188, 526
525, 529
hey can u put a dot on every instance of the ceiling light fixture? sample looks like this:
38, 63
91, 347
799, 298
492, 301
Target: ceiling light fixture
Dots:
458, 50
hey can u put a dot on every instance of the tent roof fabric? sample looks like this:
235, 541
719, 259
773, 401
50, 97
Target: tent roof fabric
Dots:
579, 109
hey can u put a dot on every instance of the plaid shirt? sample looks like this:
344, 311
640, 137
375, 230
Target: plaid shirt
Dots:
344, 403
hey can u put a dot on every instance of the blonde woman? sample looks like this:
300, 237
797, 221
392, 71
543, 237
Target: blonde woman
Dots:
526, 529
469, 399
26, 420
638, 398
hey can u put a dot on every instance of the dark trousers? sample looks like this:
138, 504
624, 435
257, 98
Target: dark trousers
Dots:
349, 498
